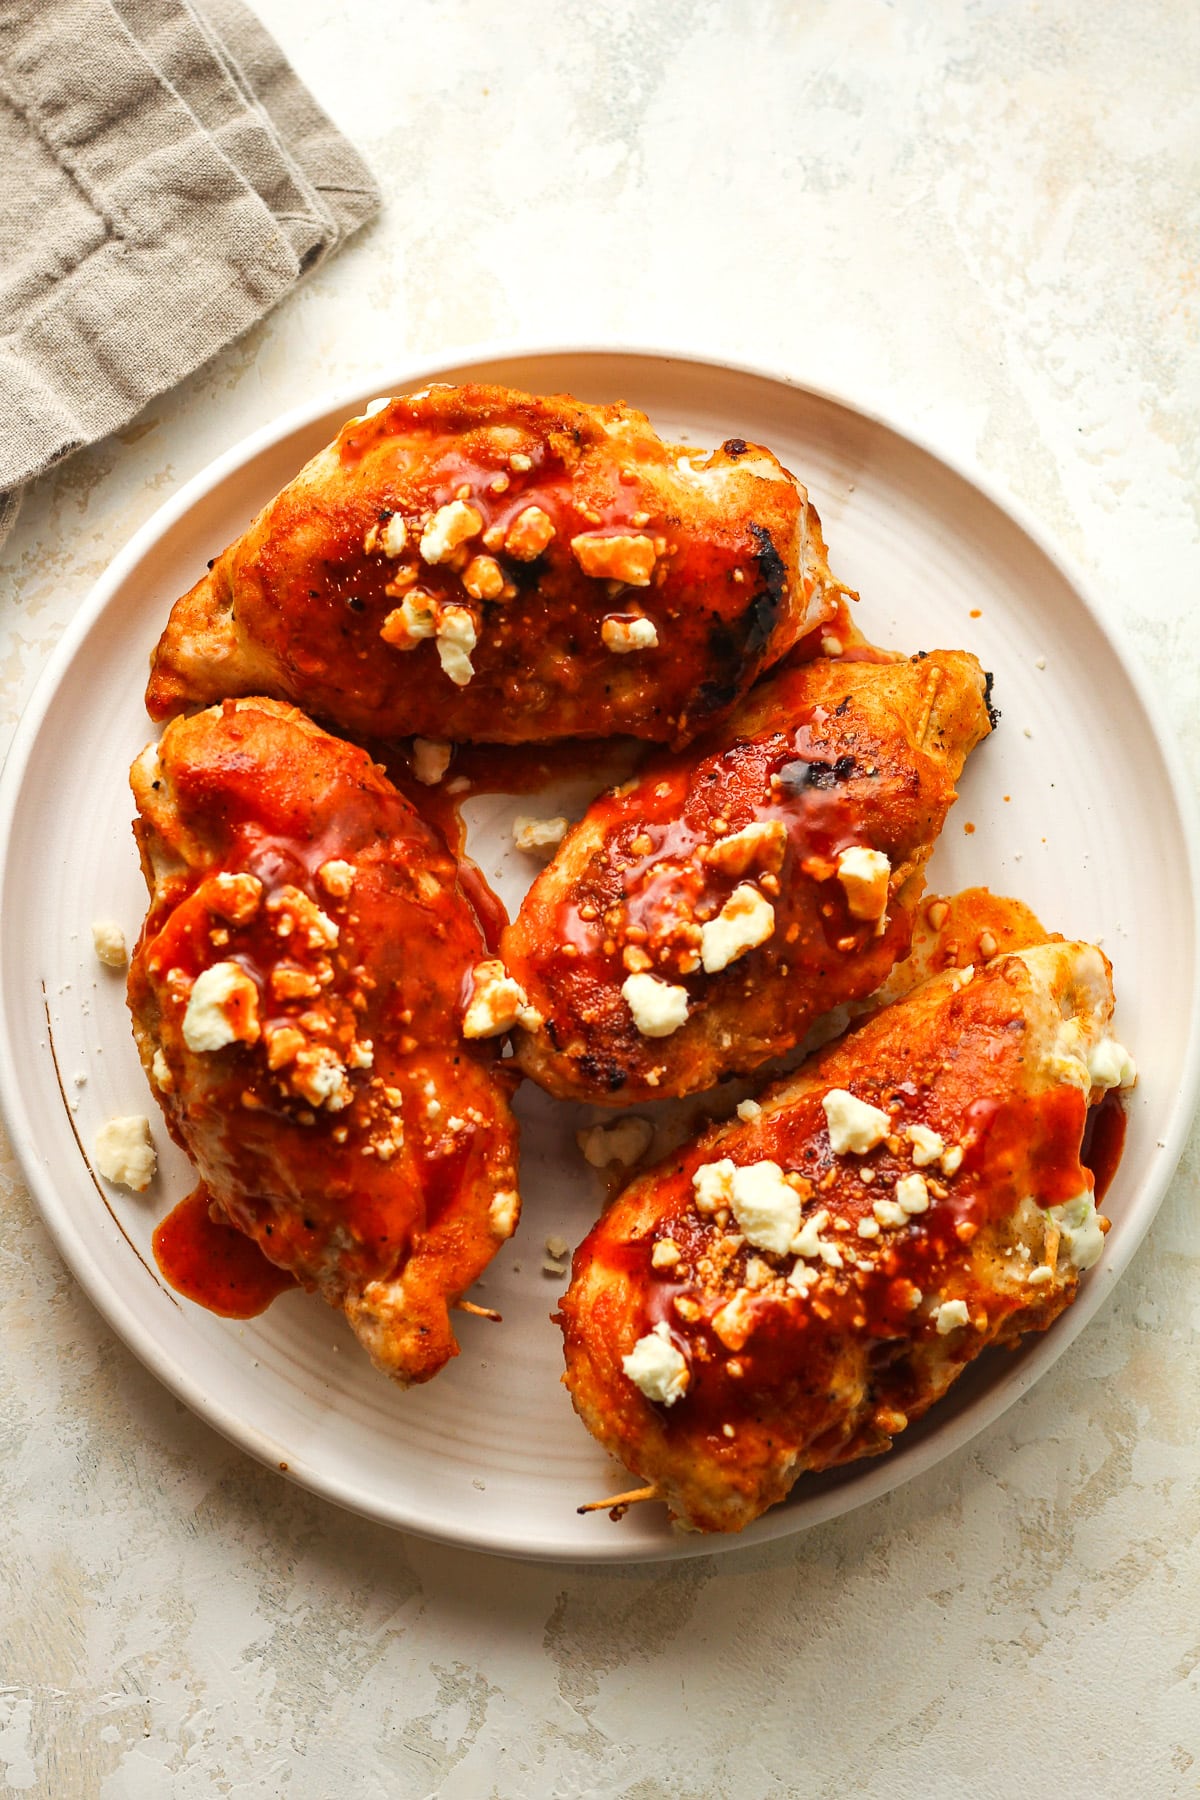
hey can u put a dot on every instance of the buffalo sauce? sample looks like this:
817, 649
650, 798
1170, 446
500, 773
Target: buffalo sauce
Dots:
528, 768
1104, 1141
718, 591
214, 1264
441, 464
1046, 1144
651, 871
489, 909
374, 1216
1028, 1141
500, 769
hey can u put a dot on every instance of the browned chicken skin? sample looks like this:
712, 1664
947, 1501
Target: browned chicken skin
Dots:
792, 1289
700, 918
478, 563
297, 1003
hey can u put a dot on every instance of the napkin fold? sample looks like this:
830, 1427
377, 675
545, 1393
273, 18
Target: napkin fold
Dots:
167, 179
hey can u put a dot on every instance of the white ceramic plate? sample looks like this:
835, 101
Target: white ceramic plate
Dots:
1078, 806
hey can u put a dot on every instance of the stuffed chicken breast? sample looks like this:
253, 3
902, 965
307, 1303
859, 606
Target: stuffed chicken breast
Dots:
297, 1000
794, 1288
477, 563
701, 917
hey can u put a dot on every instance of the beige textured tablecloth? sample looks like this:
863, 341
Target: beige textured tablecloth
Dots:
167, 179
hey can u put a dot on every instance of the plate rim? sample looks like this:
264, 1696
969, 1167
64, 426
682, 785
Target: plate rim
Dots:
879, 1478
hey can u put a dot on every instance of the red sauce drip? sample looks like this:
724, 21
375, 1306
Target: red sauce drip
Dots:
213, 1264
442, 1178
528, 768
488, 907
1028, 1143
500, 769
1104, 1141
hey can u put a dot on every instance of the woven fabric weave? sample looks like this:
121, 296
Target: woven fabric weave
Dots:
167, 180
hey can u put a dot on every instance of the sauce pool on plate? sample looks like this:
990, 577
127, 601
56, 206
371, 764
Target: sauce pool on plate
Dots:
213, 1264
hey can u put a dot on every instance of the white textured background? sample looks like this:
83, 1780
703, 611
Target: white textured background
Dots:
984, 219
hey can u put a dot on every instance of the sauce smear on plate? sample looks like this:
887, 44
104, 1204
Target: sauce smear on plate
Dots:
215, 1265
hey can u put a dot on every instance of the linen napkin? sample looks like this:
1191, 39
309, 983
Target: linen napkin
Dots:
167, 180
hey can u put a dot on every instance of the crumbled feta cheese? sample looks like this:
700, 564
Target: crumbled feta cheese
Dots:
503, 1212
854, 1126
656, 1367
864, 875
430, 760
290, 982
124, 1152
283, 1043
912, 1194
658, 1007
734, 1322
529, 534
497, 1002
831, 646
222, 1009
748, 1110
623, 635
712, 1185
449, 527
393, 538
337, 877
949, 1316
539, 836
109, 942
758, 1273
868, 1228
621, 1143
802, 1277
927, 1146
235, 897
317, 1075
619, 557
361, 1055
889, 1212
412, 620
766, 1208
952, 1157
160, 1070
1040, 1276
456, 638
483, 578
1109, 1064
809, 1243
665, 1254
745, 921
763, 843
1081, 1240
292, 908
